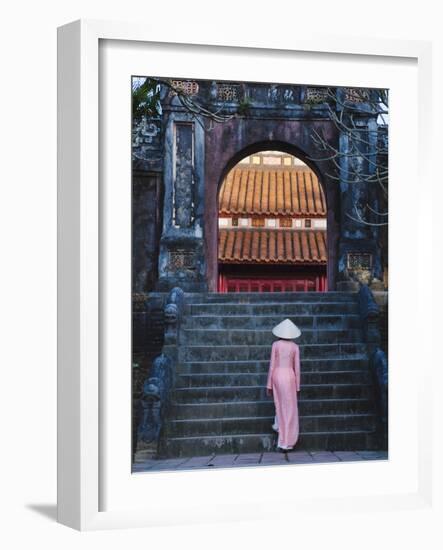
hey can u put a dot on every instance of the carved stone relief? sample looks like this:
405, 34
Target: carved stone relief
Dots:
359, 261
181, 259
228, 92
188, 87
316, 95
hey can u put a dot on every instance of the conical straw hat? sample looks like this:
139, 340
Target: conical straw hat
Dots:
286, 329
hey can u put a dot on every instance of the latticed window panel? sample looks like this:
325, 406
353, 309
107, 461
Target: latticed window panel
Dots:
285, 222
258, 222
228, 92
187, 87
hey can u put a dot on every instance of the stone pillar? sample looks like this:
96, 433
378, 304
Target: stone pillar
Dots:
181, 258
359, 260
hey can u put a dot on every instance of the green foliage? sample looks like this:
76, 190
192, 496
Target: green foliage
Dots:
146, 99
244, 106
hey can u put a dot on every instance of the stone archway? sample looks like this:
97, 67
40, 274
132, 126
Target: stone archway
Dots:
192, 157
272, 226
215, 174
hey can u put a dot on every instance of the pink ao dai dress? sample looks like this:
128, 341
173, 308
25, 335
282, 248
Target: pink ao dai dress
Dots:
284, 381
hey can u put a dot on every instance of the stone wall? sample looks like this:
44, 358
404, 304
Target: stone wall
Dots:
147, 342
191, 155
381, 297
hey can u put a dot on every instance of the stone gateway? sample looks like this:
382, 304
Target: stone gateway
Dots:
188, 157
252, 203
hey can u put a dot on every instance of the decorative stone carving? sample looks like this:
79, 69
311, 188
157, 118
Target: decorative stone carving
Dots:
157, 387
369, 313
155, 400
183, 213
188, 87
281, 94
356, 95
181, 259
145, 138
139, 300
316, 95
359, 261
228, 92
145, 132
359, 267
172, 313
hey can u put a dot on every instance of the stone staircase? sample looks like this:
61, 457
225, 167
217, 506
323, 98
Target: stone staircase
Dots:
219, 403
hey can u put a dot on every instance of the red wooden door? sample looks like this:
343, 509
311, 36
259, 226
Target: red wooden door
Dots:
308, 283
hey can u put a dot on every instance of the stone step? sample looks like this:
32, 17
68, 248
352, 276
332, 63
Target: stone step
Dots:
257, 352
351, 362
219, 404
229, 409
253, 337
275, 308
254, 297
259, 379
216, 321
251, 393
256, 443
253, 425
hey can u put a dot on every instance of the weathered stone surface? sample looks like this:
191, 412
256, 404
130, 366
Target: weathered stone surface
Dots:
194, 161
219, 401
155, 399
182, 260
254, 459
183, 214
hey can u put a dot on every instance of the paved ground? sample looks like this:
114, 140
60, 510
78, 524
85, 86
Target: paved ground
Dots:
144, 464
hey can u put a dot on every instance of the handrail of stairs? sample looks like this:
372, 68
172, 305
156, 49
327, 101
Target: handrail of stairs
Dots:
378, 361
369, 315
378, 364
157, 387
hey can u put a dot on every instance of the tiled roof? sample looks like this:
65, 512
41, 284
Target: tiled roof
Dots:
272, 245
290, 191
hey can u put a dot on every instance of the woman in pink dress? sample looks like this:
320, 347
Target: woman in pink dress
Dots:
284, 383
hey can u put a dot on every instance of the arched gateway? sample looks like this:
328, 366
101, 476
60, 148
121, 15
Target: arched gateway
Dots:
180, 161
272, 226
220, 206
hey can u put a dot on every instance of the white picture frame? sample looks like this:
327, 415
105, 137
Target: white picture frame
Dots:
83, 398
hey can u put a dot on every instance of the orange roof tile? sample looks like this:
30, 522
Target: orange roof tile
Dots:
272, 191
272, 245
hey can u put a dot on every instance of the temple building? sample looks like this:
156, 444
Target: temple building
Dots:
272, 226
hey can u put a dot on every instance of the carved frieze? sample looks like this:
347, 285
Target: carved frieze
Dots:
187, 87
316, 94
145, 138
282, 94
145, 132
181, 259
358, 261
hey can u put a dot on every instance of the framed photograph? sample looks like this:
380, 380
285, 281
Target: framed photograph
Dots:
225, 330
